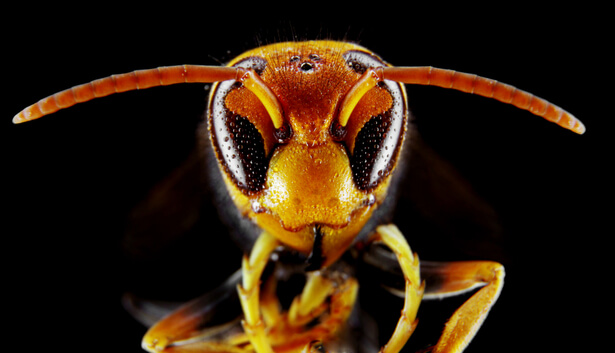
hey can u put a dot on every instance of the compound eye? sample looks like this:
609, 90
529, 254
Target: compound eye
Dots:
243, 150
372, 155
242, 132
376, 128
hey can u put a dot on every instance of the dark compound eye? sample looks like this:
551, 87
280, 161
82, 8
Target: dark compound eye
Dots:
239, 144
370, 160
241, 150
377, 144
244, 152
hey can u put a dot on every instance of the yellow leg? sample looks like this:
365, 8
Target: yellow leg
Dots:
409, 262
342, 301
271, 309
305, 306
342, 304
458, 277
252, 269
319, 314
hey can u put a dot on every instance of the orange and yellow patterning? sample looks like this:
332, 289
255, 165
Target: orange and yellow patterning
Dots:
309, 181
307, 137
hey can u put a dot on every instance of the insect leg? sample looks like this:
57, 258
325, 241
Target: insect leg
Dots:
332, 315
271, 308
451, 278
409, 262
341, 306
305, 306
211, 320
252, 269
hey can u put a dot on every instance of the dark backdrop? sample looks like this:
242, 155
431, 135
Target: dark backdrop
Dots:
72, 178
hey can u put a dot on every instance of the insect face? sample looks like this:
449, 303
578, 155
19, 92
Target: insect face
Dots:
313, 181
306, 136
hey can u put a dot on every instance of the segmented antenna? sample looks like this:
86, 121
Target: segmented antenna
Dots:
139, 79
424, 75
484, 87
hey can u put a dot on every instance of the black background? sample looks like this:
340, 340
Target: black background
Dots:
72, 178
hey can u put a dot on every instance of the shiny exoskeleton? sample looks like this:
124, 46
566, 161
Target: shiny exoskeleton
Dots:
323, 180
308, 137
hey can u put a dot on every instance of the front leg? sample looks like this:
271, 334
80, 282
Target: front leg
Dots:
210, 322
452, 278
409, 262
252, 269
443, 279
183, 325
